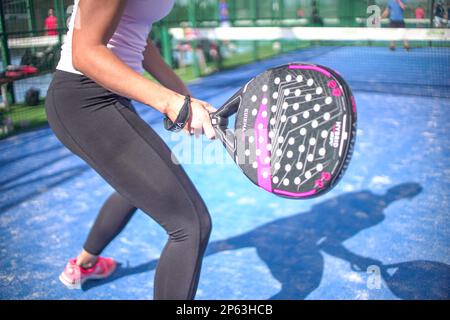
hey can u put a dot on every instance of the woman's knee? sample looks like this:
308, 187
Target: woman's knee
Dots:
205, 225
195, 222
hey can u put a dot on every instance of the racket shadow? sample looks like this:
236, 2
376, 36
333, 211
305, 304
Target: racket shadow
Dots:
418, 280
292, 247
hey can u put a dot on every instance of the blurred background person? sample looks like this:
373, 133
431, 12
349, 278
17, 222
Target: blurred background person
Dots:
419, 14
69, 12
395, 11
224, 14
300, 13
201, 57
439, 15
316, 18
51, 23
448, 16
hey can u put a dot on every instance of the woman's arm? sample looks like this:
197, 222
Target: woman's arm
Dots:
155, 65
95, 23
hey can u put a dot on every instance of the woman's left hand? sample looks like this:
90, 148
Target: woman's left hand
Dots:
200, 121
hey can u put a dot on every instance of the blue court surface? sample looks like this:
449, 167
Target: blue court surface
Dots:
382, 233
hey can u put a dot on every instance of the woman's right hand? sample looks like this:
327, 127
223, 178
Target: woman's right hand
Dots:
199, 121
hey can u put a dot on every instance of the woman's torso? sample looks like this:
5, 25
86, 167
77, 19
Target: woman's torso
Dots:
130, 38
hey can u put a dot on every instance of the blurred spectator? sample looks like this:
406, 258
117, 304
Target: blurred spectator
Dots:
448, 16
224, 14
439, 15
316, 18
69, 12
201, 59
180, 54
300, 13
51, 23
395, 10
216, 56
420, 14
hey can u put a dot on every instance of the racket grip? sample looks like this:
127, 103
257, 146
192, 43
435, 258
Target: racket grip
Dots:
219, 120
225, 135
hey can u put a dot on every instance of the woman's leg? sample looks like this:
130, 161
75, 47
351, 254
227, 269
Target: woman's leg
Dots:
112, 218
127, 153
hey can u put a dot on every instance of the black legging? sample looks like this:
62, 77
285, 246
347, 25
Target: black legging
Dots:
104, 130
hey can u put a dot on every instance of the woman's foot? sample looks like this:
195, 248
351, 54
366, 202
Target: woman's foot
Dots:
74, 276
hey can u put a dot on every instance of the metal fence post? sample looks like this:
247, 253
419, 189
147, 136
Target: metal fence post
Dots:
218, 63
281, 21
166, 43
254, 17
193, 24
60, 16
6, 58
217, 12
431, 10
30, 15
232, 11
281, 10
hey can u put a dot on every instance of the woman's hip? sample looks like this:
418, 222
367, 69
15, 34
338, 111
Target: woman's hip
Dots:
83, 113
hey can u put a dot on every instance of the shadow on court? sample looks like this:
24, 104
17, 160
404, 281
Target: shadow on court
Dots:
39, 184
31, 186
33, 154
292, 248
27, 137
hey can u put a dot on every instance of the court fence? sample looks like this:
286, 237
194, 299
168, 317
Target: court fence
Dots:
31, 35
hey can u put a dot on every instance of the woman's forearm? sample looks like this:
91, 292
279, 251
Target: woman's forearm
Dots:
155, 65
168, 78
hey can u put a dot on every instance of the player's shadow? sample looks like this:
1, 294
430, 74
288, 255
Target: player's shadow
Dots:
292, 247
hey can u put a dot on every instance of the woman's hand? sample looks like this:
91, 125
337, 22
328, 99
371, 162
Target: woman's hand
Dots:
199, 121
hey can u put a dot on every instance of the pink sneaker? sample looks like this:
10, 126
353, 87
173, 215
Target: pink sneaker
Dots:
74, 276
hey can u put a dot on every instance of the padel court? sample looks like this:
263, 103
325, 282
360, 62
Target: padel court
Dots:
382, 233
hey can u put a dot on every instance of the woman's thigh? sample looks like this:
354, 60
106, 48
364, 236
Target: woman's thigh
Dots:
108, 134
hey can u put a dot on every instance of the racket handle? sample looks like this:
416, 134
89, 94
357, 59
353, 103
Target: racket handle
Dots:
219, 120
220, 125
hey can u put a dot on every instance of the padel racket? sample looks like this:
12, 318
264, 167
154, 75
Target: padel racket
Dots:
294, 131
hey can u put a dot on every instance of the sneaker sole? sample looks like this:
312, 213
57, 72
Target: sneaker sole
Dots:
73, 286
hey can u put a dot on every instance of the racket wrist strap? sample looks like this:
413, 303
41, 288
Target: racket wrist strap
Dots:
182, 118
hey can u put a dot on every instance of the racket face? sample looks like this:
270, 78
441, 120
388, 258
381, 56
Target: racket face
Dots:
295, 128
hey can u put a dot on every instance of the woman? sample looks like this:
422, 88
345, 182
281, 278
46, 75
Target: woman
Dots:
88, 108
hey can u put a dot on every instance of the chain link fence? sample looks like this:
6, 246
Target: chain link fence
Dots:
32, 32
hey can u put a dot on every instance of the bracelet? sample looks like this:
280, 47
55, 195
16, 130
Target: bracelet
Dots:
182, 118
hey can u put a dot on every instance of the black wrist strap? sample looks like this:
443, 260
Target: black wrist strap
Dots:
182, 118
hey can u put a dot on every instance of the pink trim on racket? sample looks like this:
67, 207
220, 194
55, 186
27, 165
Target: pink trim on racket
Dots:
353, 104
263, 167
295, 194
323, 71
